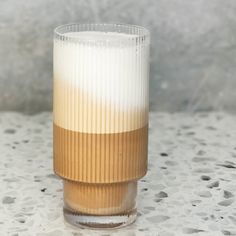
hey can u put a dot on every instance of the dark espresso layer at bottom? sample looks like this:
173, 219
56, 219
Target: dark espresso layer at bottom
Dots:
100, 158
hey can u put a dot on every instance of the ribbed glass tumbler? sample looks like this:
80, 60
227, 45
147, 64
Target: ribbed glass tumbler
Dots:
100, 106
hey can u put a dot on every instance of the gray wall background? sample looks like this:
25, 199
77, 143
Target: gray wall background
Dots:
193, 54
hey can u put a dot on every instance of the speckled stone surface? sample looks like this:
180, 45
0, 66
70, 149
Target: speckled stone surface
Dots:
190, 187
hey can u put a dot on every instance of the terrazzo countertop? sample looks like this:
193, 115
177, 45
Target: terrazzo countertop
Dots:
190, 187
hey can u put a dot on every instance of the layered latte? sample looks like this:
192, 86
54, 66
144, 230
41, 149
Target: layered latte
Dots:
100, 120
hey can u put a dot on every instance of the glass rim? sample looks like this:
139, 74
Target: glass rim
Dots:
138, 32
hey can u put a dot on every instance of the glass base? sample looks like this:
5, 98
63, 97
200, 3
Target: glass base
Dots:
83, 220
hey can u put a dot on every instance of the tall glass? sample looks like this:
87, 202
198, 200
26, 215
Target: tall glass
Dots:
100, 106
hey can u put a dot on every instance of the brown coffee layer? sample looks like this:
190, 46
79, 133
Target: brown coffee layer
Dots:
100, 199
100, 158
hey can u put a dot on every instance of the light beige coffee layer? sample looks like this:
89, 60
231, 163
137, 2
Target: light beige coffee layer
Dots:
100, 199
100, 158
79, 111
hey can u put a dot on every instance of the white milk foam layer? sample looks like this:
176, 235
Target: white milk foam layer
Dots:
113, 74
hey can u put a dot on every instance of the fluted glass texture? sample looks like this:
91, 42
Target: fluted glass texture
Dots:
100, 105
